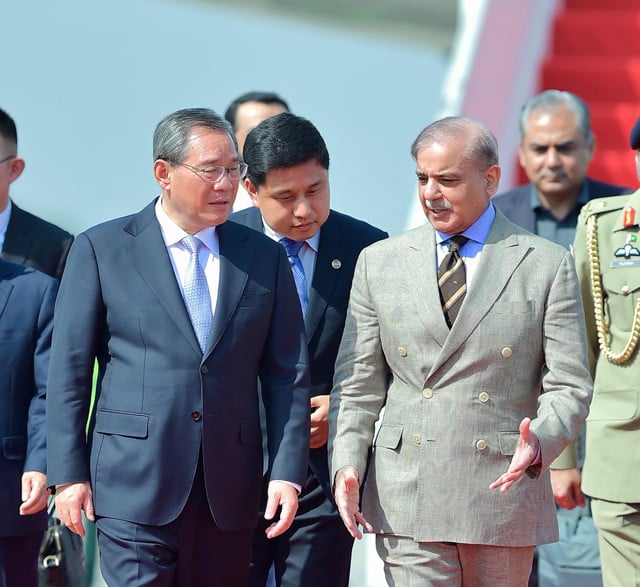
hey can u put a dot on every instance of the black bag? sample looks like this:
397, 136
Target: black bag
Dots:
61, 559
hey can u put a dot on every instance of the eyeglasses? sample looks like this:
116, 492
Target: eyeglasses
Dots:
215, 173
7, 158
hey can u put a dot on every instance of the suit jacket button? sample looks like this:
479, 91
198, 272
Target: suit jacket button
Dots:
416, 438
402, 351
427, 393
196, 416
483, 396
625, 290
506, 352
481, 444
204, 369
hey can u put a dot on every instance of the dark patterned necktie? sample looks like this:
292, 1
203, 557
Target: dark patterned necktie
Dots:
452, 279
293, 248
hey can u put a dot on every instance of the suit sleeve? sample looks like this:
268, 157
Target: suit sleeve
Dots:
78, 325
566, 381
36, 427
284, 377
360, 382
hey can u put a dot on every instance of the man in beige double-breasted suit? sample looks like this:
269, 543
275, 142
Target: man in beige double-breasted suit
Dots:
468, 410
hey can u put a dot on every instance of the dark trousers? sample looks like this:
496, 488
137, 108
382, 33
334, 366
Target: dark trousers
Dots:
191, 551
314, 552
19, 560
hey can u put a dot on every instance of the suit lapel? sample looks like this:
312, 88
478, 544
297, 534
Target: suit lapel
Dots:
152, 260
17, 237
501, 255
235, 258
326, 274
5, 285
420, 265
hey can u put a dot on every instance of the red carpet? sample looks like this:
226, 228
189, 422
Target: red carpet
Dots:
595, 53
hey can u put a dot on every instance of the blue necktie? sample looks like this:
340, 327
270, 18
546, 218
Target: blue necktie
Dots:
196, 292
293, 248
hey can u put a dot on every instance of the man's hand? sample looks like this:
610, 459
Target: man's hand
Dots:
565, 484
34, 492
525, 454
346, 491
71, 499
284, 495
319, 421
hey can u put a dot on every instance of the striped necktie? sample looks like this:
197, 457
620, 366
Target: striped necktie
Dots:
293, 248
452, 279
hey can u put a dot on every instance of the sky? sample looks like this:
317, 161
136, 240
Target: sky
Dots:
87, 82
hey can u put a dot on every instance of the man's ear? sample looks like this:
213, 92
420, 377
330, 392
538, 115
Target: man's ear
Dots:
251, 190
162, 173
16, 167
492, 179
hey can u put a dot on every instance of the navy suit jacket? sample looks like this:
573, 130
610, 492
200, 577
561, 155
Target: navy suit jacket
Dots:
36, 243
27, 298
159, 401
515, 204
341, 240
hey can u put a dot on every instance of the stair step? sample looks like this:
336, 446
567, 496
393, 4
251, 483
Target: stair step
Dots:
595, 79
612, 123
617, 166
602, 5
593, 32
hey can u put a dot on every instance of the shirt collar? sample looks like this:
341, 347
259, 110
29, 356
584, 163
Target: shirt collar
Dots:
535, 203
172, 234
478, 231
4, 217
313, 242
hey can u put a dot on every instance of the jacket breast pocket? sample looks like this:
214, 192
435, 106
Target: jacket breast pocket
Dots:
122, 424
516, 307
14, 448
250, 299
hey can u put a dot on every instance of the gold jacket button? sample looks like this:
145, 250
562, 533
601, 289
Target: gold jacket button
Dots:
481, 444
506, 352
402, 351
427, 393
483, 397
625, 290
416, 438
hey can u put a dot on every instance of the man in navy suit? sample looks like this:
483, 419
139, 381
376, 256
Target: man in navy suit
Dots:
172, 466
288, 181
27, 298
25, 238
556, 146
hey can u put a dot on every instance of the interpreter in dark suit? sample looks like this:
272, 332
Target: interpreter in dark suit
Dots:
27, 298
184, 312
288, 181
25, 238
556, 146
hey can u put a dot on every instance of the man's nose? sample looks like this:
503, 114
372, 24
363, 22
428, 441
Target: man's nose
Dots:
552, 158
302, 208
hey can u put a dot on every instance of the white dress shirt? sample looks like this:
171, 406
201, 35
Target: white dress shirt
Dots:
209, 255
4, 222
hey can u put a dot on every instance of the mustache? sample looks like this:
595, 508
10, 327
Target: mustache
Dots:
438, 204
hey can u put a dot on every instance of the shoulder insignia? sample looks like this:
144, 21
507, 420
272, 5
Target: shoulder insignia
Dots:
602, 205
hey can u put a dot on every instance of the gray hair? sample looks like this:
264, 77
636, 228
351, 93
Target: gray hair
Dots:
170, 139
549, 101
482, 149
